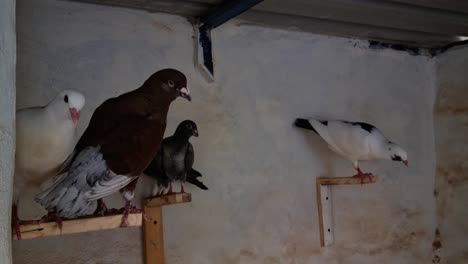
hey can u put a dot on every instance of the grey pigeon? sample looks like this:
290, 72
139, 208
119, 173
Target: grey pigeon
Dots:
355, 141
174, 160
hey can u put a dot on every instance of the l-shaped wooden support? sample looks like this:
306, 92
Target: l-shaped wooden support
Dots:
324, 203
153, 225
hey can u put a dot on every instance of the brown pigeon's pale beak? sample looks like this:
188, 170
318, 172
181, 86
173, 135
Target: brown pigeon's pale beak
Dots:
185, 93
405, 162
195, 132
75, 115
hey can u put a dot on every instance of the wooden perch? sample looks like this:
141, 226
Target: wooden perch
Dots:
90, 224
324, 203
345, 180
74, 226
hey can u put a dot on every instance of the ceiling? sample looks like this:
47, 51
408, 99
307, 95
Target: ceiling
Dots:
416, 23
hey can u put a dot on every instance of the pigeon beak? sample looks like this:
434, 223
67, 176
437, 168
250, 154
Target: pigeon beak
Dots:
75, 115
185, 93
195, 132
405, 162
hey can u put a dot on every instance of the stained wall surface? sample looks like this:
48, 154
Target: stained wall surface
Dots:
7, 122
451, 130
261, 171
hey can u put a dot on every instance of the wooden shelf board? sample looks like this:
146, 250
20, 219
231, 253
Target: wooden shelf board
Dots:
90, 224
345, 180
168, 200
75, 226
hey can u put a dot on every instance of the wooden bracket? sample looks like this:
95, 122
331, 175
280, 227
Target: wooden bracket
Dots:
324, 203
153, 225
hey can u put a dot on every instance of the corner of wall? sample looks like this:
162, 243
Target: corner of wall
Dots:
7, 121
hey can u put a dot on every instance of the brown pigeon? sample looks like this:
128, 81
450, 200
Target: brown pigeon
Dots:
120, 141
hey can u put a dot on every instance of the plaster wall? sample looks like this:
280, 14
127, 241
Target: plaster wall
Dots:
7, 122
451, 130
261, 206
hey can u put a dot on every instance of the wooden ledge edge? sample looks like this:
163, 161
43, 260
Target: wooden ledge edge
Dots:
345, 180
74, 226
167, 200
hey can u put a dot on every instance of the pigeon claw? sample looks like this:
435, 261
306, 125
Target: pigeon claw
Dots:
130, 208
101, 208
363, 176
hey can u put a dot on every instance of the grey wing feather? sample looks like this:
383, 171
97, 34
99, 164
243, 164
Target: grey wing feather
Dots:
189, 157
88, 178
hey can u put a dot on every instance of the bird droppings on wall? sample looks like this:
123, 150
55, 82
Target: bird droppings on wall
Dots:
450, 122
455, 174
436, 247
160, 26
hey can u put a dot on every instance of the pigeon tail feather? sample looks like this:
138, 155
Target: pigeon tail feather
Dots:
304, 123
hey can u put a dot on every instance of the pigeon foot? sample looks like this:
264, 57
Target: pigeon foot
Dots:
53, 217
101, 208
129, 208
363, 176
169, 192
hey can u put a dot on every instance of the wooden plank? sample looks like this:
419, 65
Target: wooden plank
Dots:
167, 200
153, 235
75, 226
376, 13
327, 215
329, 17
345, 180
320, 211
449, 5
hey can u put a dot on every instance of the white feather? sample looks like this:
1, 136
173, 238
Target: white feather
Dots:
44, 138
353, 142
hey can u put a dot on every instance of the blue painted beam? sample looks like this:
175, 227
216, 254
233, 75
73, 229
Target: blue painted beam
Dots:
218, 16
225, 11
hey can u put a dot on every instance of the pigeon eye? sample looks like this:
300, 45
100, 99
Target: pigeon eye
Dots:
171, 83
189, 126
65, 98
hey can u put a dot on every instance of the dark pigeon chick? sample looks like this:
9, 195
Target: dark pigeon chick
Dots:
174, 160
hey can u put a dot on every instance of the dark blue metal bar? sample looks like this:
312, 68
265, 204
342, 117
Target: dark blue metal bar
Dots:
225, 11
222, 13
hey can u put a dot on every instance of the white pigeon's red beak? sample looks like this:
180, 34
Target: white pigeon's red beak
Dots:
405, 162
75, 115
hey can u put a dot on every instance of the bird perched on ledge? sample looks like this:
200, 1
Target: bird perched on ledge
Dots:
119, 143
174, 160
44, 138
355, 141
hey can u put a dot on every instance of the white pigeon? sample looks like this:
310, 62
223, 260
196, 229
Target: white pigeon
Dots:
45, 137
355, 141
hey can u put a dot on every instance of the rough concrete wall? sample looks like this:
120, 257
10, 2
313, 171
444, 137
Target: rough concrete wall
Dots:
261, 206
451, 130
7, 122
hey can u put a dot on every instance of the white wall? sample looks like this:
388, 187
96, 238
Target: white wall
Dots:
451, 130
7, 122
261, 171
